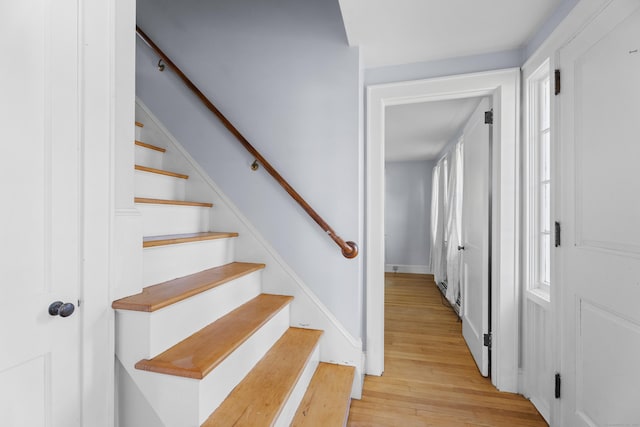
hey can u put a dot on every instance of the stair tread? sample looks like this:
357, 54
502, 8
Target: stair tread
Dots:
150, 146
171, 202
260, 396
172, 239
197, 355
326, 402
163, 294
140, 125
161, 172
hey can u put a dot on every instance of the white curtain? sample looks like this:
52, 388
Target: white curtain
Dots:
438, 254
453, 229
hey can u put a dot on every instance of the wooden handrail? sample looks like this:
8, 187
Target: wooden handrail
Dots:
349, 249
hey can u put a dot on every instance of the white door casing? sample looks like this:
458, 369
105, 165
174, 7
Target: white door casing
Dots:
40, 219
475, 236
502, 86
599, 256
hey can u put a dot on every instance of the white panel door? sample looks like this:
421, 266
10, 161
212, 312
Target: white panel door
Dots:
39, 218
475, 236
599, 252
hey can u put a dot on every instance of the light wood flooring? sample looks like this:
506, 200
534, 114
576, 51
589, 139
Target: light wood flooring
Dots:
430, 378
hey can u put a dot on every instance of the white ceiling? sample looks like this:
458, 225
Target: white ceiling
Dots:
392, 32
420, 131
395, 32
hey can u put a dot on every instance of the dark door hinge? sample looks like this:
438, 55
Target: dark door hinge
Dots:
558, 383
488, 117
556, 82
557, 234
487, 340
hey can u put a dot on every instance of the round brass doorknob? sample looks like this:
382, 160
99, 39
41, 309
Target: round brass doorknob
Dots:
58, 308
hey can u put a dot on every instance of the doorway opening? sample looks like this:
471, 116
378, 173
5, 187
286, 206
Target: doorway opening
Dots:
437, 210
502, 87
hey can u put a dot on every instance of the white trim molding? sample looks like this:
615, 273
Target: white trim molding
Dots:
503, 86
107, 80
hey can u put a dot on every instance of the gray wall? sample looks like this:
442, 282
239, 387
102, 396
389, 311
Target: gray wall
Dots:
444, 67
282, 72
408, 212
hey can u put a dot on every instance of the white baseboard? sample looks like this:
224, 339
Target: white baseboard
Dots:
411, 269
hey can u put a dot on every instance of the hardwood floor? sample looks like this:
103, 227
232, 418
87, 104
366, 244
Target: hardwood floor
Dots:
430, 377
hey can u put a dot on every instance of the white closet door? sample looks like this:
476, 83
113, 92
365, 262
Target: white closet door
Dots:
475, 237
40, 216
599, 254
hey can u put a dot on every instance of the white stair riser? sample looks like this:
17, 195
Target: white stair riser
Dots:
222, 380
174, 399
183, 402
170, 325
158, 220
289, 411
139, 133
132, 337
157, 186
148, 157
162, 263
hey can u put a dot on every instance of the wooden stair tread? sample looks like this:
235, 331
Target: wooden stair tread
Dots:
171, 202
326, 402
197, 355
260, 396
161, 172
140, 125
163, 294
172, 239
150, 146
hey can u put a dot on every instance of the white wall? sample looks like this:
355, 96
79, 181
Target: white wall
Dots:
282, 72
408, 215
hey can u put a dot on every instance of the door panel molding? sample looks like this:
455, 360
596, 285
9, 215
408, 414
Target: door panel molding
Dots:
597, 263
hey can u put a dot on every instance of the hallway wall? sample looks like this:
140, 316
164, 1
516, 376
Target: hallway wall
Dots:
408, 215
282, 72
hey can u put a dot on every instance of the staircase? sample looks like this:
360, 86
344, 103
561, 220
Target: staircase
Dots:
201, 343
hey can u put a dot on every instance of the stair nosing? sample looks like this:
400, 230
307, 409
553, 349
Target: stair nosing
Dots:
257, 372
137, 302
160, 172
175, 239
140, 125
151, 201
150, 146
280, 302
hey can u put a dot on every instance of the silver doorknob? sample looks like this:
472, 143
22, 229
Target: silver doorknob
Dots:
58, 308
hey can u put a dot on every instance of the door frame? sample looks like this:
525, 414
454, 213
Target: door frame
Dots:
107, 102
503, 86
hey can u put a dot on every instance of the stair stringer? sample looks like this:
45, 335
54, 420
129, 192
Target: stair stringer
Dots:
337, 345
